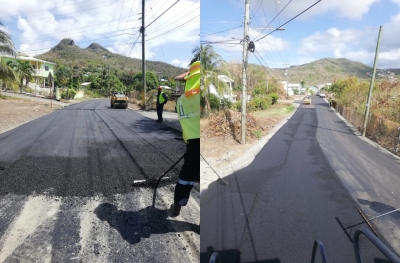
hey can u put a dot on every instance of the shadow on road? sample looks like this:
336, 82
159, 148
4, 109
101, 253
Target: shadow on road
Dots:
141, 224
231, 256
380, 208
351, 133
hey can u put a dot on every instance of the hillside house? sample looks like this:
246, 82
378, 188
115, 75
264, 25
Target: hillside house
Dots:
228, 94
41, 68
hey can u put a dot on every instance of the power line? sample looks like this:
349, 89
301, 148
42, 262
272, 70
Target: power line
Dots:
188, 22
36, 37
289, 20
283, 42
119, 20
262, 44
162, 50
263, 65
274, 18
222, 31
79, 42
3, 17
43, 18
162, 13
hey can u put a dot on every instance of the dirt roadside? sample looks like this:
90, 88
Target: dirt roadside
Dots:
15, 111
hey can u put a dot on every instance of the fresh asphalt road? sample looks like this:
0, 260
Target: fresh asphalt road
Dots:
305, 184
67, 192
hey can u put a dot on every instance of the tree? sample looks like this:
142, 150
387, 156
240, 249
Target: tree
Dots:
6, 45
63, 75
210, 65
24, 71
151, 81
7, 74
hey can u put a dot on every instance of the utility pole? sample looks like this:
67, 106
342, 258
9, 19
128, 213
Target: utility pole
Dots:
143, 58
371, 86
287, 80
244, 71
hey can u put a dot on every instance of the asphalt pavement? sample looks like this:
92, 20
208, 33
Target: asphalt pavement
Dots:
67, 191
293, 193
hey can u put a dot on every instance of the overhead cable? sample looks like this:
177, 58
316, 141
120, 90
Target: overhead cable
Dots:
162, 13
274, 18
289, 20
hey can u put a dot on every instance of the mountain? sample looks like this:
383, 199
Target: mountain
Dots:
95, 56
327, 70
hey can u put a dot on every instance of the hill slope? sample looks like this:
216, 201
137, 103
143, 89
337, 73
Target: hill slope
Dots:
327, 70
95, 56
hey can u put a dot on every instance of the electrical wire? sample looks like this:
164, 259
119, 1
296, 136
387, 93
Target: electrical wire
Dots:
271, 54
265, 68
290, 20
274, 19
222, 31
162, 50
283, 42
119, 19
52, 34
188, 22
49, 17
162, 13
3, 17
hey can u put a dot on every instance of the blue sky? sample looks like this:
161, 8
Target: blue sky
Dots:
38, 25
330, 29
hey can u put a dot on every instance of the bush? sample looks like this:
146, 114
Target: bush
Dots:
27, 90
237, 105
274, 98
214, 102
68, 94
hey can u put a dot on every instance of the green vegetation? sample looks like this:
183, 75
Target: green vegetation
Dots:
276, 110
353, 93
96, 58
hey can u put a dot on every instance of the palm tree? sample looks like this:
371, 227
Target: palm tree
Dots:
7, 75
6, 45
210, 63
25, 71
63, 75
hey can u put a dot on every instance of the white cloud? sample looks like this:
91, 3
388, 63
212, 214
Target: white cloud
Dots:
332, 39
176, 61
396, 2
342, 8
35, 29
184, 65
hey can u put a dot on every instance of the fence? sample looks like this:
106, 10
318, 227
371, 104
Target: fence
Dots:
383, 131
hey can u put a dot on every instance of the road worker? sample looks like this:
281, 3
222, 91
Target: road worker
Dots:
188, 109
162, 99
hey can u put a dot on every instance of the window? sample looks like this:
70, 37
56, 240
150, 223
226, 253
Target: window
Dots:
46, 68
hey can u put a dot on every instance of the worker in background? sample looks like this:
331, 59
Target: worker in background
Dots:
188, 109
162, 99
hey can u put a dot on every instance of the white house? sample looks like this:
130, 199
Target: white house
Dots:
228, 92
288, 87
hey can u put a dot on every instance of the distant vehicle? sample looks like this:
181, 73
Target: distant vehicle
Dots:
322, 95
318, 94
119, 99
307, 100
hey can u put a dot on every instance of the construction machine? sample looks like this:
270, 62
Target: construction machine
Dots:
119, 99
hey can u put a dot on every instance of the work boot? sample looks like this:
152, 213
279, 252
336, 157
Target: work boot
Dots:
175, 209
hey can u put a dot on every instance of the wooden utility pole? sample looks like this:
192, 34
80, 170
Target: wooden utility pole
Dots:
371, 86
287, 80
142, 29
244, 71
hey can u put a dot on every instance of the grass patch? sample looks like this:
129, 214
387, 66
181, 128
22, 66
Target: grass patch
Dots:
275, 110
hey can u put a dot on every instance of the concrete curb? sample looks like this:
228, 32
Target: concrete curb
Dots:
367, 140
